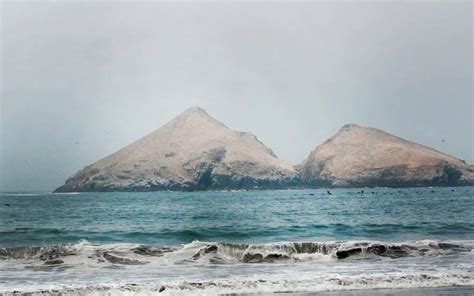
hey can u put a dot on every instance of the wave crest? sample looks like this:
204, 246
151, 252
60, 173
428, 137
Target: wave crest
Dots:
228, 253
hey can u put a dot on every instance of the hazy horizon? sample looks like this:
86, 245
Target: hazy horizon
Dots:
81, 80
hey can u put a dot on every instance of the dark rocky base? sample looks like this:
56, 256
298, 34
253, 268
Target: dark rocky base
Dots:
396, 177
267, 186
245, 184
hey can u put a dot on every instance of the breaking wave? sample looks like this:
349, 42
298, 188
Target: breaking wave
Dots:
229, 253
211, 268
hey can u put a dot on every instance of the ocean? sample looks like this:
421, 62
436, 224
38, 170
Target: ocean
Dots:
237, 242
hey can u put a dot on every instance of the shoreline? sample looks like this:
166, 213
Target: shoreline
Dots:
435, 291
129, 290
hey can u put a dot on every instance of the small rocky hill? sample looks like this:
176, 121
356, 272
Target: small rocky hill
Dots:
361, 156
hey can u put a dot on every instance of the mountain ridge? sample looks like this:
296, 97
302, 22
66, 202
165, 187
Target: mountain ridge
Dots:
195, 151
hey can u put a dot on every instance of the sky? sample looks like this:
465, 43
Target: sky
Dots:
81, 80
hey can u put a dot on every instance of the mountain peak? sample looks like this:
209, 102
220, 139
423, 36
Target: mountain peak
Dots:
195, 110
195, 116
349, 127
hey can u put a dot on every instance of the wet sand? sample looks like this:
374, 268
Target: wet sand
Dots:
438, 291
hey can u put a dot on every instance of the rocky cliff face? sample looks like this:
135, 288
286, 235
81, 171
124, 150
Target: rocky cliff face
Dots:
360, 156
192, 152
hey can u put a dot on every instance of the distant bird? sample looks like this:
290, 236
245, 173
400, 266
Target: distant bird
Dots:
452, 190
311, 194
329, 192
443, 140
77, 143
7, 205
362, 191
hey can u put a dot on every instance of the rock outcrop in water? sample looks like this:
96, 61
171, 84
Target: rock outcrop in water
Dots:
192, 152
367, 157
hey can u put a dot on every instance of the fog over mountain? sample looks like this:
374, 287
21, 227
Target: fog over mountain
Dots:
81, 80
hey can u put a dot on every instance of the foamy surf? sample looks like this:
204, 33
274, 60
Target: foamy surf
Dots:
211, 268
345, 283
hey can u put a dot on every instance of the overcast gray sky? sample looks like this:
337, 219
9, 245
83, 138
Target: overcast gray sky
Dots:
81, 80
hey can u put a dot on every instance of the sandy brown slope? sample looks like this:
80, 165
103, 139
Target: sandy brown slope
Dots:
363, 156
192, 152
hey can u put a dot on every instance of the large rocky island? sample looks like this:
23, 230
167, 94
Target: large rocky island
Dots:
192, 152
196, 152
367, 157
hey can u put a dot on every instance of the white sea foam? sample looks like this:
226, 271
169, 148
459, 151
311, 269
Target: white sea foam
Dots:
20, 194
215, 268
219, 287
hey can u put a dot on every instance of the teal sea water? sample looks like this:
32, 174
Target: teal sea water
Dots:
169, 218
242, 241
